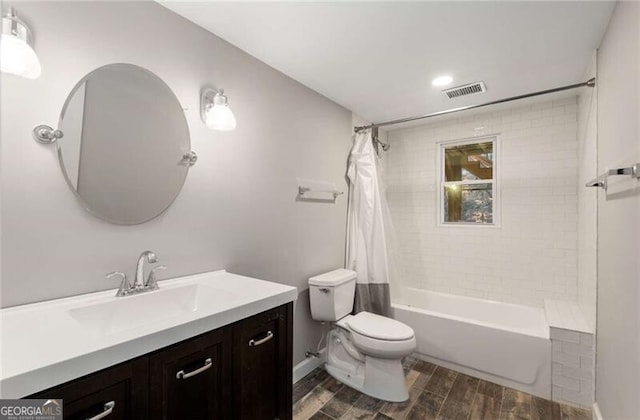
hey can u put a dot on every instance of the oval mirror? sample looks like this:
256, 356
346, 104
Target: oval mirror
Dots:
126, 147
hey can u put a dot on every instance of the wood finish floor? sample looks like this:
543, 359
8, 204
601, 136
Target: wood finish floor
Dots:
434, 393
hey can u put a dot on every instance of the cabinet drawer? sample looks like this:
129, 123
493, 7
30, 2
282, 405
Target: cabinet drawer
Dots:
111, 403
116, 393
189, 381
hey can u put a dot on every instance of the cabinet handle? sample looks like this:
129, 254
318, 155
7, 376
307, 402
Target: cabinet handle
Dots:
254, 343
107, 409
207, 364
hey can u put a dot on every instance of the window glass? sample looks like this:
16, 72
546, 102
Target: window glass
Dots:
469, 203
469, 162
468, 183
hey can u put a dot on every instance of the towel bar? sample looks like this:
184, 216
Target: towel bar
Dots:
303, 190
601, 181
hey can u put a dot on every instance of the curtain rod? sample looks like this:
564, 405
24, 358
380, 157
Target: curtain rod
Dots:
590, 83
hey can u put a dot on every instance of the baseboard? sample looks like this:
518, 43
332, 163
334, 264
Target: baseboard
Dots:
305, 367
595, 412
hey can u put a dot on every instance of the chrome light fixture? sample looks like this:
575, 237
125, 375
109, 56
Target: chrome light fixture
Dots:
16, 48
215, 111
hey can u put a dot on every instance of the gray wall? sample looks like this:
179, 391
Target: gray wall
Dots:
618, 317
237, 209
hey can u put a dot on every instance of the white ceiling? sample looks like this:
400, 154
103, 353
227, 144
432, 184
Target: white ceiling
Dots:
378, 58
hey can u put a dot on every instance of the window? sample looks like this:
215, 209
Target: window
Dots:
468, 187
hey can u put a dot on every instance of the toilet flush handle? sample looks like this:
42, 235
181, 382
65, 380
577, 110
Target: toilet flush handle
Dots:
324, 290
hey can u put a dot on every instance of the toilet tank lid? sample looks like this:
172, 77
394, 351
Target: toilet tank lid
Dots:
333, 278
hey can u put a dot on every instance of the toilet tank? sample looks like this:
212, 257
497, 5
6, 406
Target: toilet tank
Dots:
331, 294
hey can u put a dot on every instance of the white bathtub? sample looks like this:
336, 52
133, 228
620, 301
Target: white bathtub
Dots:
500, 342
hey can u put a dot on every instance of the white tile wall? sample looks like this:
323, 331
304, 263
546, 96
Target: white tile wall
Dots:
533, 255
572, 367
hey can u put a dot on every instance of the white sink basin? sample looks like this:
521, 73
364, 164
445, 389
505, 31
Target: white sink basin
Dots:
123, 313
87, 333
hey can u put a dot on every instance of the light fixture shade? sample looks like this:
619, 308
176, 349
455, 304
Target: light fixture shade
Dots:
216, 112
221, 118
16, 52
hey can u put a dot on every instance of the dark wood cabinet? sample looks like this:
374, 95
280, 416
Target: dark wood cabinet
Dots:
240, 371
116, 393
262, 366
190, 380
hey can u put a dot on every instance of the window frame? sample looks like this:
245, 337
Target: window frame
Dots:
495, 181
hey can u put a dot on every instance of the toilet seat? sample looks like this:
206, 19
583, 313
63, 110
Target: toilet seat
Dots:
379, 327
379, 336
383, 349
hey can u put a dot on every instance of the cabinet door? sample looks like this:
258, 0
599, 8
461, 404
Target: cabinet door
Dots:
189, 380
262, 351
116, 393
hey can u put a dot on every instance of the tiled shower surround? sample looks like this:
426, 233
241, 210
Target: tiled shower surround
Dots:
573, 367
532, 256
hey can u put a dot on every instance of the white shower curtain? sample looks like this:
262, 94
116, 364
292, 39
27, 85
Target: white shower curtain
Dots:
366, 235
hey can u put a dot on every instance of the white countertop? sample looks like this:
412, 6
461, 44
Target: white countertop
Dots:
44, 344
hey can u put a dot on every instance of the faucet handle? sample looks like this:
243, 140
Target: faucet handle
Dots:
152, 283
125, 286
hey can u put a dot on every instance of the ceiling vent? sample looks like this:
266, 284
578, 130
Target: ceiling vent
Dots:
464, 90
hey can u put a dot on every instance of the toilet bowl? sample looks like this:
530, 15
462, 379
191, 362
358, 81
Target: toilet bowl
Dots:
364, 351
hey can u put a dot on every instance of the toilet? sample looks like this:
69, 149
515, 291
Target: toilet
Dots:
364, 351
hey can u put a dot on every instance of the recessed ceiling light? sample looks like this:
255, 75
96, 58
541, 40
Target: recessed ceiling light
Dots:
442, 81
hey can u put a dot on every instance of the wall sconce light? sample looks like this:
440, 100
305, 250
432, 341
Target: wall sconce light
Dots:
215, 111
16, 48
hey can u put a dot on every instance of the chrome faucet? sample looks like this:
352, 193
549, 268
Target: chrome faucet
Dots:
125, 287
139, 284
139, 280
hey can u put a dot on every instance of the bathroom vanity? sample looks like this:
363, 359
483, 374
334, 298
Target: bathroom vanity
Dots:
210, 346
